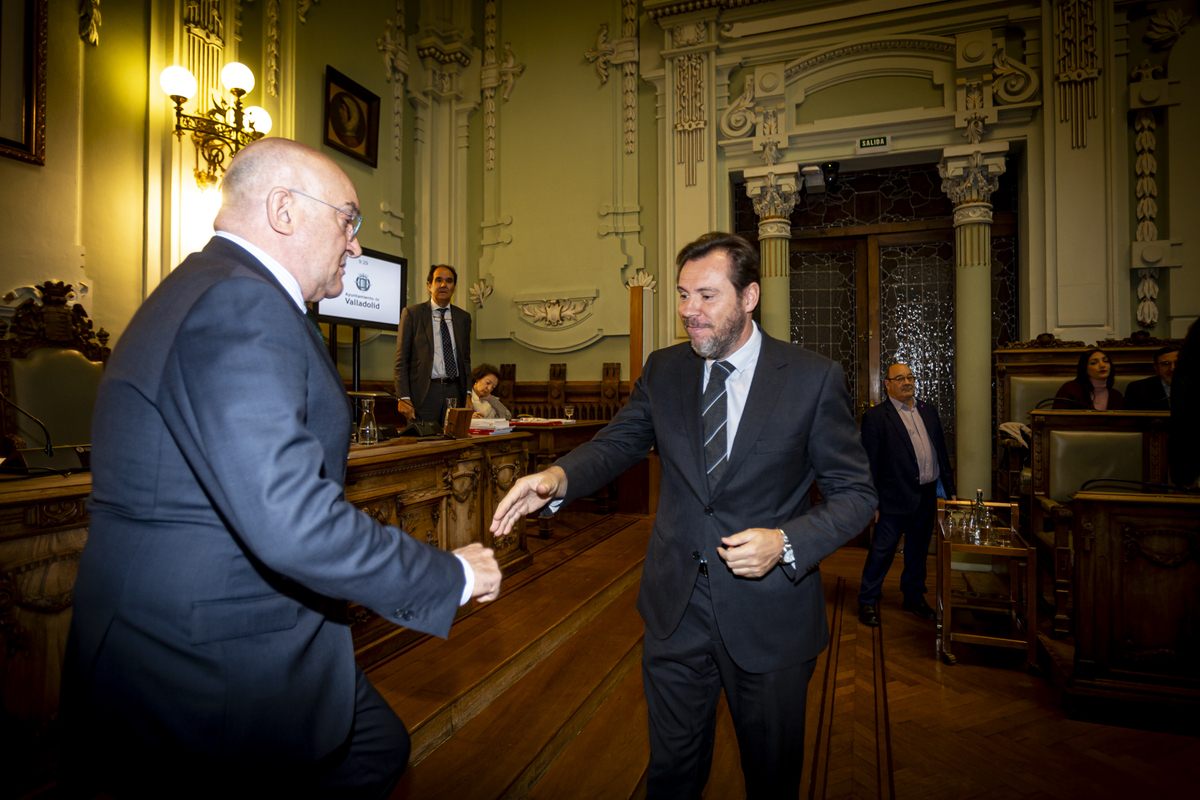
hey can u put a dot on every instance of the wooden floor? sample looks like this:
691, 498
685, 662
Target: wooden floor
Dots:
540, 695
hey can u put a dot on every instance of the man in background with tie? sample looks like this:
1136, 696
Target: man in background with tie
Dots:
730, 590
904, 441
433, 351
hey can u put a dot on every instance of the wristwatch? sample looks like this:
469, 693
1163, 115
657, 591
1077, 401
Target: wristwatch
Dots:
788, 556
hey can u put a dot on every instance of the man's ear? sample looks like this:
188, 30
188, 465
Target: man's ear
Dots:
750, 297
281, 211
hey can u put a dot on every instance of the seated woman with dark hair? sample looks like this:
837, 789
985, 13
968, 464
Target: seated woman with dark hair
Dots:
1092, 389
485, 379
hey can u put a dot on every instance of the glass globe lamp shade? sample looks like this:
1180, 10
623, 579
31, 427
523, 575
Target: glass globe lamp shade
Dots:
237, 77
178, 82
259, 118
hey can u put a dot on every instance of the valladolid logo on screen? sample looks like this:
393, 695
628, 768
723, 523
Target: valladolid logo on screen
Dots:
363, 283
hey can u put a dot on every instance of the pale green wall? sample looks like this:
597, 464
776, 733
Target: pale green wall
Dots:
867, 96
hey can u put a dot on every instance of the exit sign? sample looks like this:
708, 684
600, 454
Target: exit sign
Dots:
873, 144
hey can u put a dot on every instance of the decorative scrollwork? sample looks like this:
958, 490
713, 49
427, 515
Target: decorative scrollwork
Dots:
479, 292
1012, 81
553, 313
450, 481
12, 598
1044, 341
47, 318
505, 475
1134, 540
738, 120
601, 55
54, 514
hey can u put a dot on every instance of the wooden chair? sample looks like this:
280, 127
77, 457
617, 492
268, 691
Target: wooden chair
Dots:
1069, 449
51, 363
1028, 373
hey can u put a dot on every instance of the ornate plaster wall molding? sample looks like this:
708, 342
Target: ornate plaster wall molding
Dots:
273, 13
896, 45
479, 292
556, 313
494, 73
623, 52
641, 278
671, 9
89, 21
1078, 66
303, 7
691, 116
1012, 81
393, 43
1166, 26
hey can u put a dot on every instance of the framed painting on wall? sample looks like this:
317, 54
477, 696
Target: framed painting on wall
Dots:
351, 118
23, 80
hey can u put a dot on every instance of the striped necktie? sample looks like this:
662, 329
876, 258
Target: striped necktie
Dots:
448, 361
714, 414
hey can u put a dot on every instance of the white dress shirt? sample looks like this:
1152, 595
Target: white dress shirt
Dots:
737, 385
927, 465
439, 365
292, 286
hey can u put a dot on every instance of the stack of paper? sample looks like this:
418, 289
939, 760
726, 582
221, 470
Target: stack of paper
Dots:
490, 427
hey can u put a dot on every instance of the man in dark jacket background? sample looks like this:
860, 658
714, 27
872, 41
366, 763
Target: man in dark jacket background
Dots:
907, 450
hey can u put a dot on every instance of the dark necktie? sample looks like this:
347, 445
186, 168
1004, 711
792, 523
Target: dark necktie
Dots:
448, 362
715, 412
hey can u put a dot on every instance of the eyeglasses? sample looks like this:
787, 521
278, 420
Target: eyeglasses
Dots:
902, 379
353, 221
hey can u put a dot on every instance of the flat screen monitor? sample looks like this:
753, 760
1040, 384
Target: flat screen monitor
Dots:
374, 292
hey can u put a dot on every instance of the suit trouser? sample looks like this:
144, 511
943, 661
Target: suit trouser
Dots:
104, 753
683, 677
916, 529
433, 407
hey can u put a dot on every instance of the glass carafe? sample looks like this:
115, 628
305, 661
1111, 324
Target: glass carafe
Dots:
368, 429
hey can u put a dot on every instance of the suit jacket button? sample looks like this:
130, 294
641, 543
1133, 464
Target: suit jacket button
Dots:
695, 556
408, 615
709, 510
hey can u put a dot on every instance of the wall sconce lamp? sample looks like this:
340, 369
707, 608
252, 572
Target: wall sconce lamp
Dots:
224, 129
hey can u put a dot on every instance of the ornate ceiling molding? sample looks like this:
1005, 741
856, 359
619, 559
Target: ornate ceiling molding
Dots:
672, 9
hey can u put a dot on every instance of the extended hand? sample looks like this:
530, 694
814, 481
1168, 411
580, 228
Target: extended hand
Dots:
526, 496
487, 571
406, 408
752, 553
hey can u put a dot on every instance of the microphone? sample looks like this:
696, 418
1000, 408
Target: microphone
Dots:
42, 425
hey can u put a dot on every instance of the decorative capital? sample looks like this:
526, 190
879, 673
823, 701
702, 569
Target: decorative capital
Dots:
971, 173
774, 191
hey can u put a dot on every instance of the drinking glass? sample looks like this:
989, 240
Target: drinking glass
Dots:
569, 411
451, 402
368, 429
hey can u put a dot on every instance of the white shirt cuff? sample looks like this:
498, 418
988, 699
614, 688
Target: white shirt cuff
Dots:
469, 574
552, 507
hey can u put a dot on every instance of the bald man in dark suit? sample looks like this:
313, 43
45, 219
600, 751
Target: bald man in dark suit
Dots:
209, 652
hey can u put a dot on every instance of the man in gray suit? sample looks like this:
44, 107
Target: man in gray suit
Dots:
209, 653
433, 351
730, 591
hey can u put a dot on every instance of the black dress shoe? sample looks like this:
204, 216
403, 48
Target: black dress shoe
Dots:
920, 608
867, 615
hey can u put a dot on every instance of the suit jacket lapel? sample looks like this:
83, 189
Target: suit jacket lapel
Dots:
691, 375
768, 382
901, 430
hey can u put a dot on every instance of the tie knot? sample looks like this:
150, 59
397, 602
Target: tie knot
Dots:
443, 312
721, 374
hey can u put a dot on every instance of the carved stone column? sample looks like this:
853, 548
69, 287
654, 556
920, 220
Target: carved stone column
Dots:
774, 192
970, 174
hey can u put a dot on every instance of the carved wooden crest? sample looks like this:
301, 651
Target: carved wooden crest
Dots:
51, 323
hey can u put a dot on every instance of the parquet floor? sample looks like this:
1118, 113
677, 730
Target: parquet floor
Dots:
985, 729
886, 718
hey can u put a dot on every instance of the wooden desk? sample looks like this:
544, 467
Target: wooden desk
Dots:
441, 491
553, 441
1137, 598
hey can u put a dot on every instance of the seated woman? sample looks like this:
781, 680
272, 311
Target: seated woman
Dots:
1092, 388
486, 378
